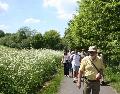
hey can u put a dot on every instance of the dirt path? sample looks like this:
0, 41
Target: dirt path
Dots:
68, 87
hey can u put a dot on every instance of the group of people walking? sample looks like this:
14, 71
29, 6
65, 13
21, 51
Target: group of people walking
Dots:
87, 65
71, 61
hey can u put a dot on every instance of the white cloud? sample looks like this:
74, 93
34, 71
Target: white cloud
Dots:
63, 7
31, 21
3, 7
4, 27
52, 3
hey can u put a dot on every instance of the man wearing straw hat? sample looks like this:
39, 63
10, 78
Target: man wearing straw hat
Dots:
91, 67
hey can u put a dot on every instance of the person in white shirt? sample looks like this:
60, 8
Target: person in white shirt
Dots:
70, 63
75, 65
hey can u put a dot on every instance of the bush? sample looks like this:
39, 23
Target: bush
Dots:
23, 71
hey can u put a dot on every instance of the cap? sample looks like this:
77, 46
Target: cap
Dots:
92, 49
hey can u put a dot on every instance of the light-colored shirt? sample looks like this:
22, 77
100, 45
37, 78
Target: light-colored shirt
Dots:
65, 58
69, 54
88, 69
76, 60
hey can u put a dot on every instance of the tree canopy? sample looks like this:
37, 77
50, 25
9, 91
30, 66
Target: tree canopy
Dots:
97, 23
52, 39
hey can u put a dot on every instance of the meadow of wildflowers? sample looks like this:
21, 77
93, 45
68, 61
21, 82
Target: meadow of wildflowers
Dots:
23, 71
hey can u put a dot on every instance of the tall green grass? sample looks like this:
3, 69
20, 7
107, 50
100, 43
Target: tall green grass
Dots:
112, 74
53, 85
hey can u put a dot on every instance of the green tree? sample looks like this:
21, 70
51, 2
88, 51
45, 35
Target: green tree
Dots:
2, 34
21, 34
52, 39
25, 32
97, 23
37, 41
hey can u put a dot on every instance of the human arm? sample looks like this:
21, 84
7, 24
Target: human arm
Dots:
62, 60
80, 72
79, 79
102, 70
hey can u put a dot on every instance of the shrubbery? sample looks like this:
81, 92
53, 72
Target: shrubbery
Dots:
23, 71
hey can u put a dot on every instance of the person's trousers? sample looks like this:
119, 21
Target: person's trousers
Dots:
66, 68
91, 86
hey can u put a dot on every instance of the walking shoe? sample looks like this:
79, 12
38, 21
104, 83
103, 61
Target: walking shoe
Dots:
68, 76
103, 83
75, 80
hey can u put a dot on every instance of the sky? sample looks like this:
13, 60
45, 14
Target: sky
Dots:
42, 15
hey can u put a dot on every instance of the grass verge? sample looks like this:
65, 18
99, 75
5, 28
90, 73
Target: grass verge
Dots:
113, 76
52, 86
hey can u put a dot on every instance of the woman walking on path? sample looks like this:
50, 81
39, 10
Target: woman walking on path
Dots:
65, 62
